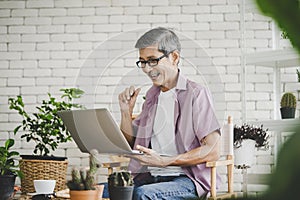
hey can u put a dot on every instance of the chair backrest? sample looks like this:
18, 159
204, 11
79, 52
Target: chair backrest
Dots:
226, 142
226, 150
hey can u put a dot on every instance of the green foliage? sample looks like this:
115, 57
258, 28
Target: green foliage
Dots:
45, 127
298, 75
284, 35
258, 134
8, 165
287, 15
288, 100
123, 178
84, 179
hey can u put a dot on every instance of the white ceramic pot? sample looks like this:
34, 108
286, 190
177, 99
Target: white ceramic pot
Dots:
244, 155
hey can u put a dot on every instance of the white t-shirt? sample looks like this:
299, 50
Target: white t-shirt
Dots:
163, 138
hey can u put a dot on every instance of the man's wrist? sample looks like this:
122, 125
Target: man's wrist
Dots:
126, 113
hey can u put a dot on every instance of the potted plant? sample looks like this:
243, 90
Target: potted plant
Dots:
245, 139
83, 183
8, 169
47, 130
120, 185
288, 105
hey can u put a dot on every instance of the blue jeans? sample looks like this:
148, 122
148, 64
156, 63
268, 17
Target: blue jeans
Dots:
148, 187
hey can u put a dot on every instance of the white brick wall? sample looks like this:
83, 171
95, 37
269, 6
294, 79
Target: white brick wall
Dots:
46, 45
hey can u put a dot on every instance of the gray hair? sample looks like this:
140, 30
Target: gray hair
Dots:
166, 40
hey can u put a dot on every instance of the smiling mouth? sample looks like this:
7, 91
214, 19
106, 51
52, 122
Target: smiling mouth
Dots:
153, 75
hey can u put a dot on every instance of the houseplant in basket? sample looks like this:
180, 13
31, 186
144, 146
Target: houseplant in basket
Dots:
83, 183
245, 139
9, 169
288, 105
120, 185
47, 130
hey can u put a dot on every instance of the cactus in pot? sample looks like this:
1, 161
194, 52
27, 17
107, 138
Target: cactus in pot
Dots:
83, 184
84, 179
122, 178
288, 100
120, 185
288, 105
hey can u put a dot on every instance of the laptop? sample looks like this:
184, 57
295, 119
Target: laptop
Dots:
96, 129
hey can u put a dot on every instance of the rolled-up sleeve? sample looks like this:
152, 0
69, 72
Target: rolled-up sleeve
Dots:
204, 118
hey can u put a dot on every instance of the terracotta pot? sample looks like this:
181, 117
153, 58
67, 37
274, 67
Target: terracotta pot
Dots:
87, 194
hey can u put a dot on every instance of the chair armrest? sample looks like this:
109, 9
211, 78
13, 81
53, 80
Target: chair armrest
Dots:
219, 163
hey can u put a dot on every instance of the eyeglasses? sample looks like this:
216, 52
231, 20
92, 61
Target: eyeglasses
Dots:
150, 62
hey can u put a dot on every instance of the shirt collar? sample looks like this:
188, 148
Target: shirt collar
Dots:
181, 82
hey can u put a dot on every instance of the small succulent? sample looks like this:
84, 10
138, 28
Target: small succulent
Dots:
122, 178
256, 133
84, 179
288, 100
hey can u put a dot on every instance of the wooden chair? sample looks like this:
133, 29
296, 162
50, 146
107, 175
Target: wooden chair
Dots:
226, 149
226, 159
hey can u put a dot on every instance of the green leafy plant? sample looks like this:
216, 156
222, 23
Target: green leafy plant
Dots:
84, 179
45, 127
298, 75
246, 131
122, 178
286, 14
8, 166
288, 100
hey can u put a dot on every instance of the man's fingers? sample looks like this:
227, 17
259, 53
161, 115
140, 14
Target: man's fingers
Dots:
144, 149
127, 94
136, 92
131, 90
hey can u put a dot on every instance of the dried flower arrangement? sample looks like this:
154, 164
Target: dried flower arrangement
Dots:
256, 133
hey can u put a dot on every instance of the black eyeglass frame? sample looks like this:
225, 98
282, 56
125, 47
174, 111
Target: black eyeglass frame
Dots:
145, 62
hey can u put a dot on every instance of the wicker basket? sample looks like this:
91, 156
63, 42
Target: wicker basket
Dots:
43, 169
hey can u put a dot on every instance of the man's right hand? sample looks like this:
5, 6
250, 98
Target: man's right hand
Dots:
127, 99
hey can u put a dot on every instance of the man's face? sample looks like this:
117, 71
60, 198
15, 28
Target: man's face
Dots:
165, 72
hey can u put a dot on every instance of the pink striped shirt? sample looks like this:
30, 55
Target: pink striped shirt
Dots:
194, 118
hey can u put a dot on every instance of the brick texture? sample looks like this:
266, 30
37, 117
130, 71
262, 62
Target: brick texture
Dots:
46, 45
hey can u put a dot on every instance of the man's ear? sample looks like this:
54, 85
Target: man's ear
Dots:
175, 58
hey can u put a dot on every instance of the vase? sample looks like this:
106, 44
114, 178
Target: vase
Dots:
244, 155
